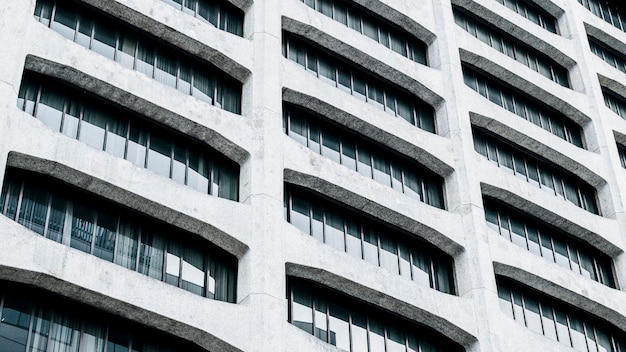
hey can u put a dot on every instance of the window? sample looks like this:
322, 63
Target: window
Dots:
138, 52
532, 13
384, 96
358, 154
528, 109
548, 242
622, 154
345, 322
607, 12
535, 171
379, 244
557, 320
374, 27
128, 136
610, 56
220, 14
615, 103
511, 47
32, 320
118, 235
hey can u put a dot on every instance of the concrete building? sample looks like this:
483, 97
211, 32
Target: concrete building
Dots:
316, 175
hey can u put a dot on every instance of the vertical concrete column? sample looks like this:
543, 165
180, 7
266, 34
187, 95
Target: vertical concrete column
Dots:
611, 196
262, 270
473, 267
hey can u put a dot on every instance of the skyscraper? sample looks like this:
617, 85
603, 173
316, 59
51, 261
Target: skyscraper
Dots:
316, 175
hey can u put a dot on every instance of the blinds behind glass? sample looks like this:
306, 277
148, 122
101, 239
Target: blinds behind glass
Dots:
137, 51
114, 234
125, 135
220, 14
610, 56
606, 12
365, 239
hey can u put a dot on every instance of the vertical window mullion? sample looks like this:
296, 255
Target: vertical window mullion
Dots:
19, 202
94, 233
37, 99
48, 211
139, 239
117, 235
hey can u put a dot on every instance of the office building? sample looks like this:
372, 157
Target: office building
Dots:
315, 175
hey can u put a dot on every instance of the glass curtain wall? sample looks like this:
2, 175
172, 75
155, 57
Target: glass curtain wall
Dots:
138, 52
557, 320
128, 136
549, 243
536, 172
362, 238
364, 157
353, 326
361, 85
530, 110
112, 233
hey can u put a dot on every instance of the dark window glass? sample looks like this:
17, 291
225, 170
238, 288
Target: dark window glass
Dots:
139, 52
128, 136
376, 243
533, 13
548, 242
373, 162
113, 234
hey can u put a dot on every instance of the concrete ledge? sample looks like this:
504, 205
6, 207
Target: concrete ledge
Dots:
521, 139
612, 85
517, 32
374, 210
381, 300
524, 205
502, 74
138, 105
118, 195
115, 307
549, 288
159, 30
368, 130
605, 38
360, 58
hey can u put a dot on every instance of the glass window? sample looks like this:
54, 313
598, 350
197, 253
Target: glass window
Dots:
302, 310
34, 209
370, 245
50, 109
159, 154
104, 243
93, 126
14, 326
376, 335
82, 228
330, 145
389, 254
151, 253
127, 245
166, 69
333, 230
338, 326
117, 132
353, 239
198, 171
137, 145
104, 40
65, 22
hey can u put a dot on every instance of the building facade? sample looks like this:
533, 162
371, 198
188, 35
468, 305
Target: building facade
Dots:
315, 175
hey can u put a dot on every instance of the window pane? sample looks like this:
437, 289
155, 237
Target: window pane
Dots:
376, 335
56, 220
104, 40
93, 125
34, 209
14, 326
137, 144
299, 215
193, 270
166, 69
297, 128
64, 334
389, 254
560, 253
321, 329
65, 21
126, 50
92, 338
151, 255
172, 263
348, 151
50, 108
82, 228
127, 244
370, 28
159, 154
364, 164
421, 268
413, 185
359, 332
330, 145
370, 245
405, 260
105, 236
145, 58
561, 327
578, 333
382, 170
40, 330
203, 86
338, 327
317, 225
353, 239
116, 136
302, 310
504, 299
395, 339
70, 119
334, 230
533, 319
198, 172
